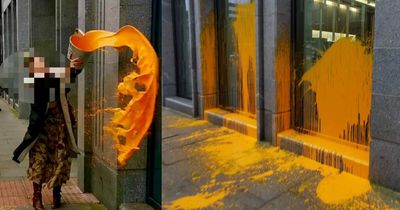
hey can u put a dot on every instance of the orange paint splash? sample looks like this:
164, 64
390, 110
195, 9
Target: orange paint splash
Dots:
129, 124
342, 81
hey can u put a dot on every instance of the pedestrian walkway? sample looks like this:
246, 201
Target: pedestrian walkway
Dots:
211, 167
15, 189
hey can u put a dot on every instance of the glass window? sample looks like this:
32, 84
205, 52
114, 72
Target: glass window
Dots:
183, 53
333, 68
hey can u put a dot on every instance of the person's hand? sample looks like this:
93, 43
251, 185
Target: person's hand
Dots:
76, 63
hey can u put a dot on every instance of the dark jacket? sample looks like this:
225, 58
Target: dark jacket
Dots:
38, 112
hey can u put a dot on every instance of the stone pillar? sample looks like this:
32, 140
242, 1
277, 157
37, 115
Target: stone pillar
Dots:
84, 94
132, 179
276, 68
206, 54
23, 42
111, 184
385, 115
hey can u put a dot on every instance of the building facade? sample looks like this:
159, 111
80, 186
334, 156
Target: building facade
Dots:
315, 77
45, 27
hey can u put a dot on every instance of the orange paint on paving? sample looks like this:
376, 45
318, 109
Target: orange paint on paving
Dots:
187, 123
227, 161
198, 201
245, 30
262, 176
231, 152
129, 124
338, 188
342, 81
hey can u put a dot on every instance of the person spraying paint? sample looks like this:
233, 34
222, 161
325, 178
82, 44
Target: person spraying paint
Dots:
49, 139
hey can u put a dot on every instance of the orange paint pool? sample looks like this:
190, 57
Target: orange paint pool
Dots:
129, 124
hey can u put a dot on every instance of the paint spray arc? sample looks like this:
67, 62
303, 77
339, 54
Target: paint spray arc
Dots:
129, 125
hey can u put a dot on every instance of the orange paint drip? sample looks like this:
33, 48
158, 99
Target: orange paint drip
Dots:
328, 152
342, 81
245, 31
131, 122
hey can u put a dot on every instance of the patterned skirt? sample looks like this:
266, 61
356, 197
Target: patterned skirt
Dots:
50, 157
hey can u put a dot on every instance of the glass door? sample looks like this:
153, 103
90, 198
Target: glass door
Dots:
237, 55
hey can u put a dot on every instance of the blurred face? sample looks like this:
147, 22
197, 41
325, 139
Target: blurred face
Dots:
37, 69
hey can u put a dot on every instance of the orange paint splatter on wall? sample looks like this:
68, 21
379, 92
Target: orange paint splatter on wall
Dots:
129, 125
337, 92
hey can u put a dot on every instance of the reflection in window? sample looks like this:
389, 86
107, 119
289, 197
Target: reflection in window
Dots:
333, 62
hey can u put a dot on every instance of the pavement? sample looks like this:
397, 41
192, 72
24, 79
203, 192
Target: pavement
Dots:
210, 167
15, 189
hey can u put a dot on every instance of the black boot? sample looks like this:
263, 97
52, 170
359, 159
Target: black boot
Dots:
37, 197
56, 197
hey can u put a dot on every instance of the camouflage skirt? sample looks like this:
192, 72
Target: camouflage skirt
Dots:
50, 157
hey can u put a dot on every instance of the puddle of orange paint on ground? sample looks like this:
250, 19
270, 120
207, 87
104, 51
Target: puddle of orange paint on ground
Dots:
198, 201
338, 188
342, 80
131, 122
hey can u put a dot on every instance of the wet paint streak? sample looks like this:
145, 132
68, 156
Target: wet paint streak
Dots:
281, 120
129, 124
208, 57
245, 30
342, 83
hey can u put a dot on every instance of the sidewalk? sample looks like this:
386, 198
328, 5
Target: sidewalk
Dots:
15, 189
209, 167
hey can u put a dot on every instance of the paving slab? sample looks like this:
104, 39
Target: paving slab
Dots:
15, 189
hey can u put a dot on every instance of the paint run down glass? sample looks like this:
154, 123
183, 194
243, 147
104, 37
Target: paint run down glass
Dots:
334, 70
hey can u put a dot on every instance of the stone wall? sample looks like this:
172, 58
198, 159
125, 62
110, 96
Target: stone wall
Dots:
99, 172
385, 115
